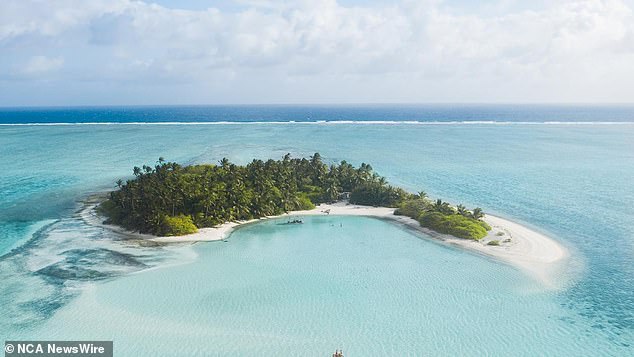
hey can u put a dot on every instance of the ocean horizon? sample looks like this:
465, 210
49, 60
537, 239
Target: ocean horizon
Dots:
429, 114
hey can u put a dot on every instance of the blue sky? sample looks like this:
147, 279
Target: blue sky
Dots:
101, 52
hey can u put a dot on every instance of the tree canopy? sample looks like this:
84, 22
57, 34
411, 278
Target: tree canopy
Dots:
170, 199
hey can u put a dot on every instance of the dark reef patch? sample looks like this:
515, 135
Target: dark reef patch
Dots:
90, 265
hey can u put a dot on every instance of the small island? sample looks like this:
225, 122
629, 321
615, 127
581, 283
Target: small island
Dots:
170, 203
169, 199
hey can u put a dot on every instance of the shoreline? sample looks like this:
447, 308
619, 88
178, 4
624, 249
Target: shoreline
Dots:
533, 253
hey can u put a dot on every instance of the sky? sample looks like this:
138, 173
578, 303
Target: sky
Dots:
124, 52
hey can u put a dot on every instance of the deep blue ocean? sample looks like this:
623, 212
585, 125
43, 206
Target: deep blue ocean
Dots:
428, 113
567, 171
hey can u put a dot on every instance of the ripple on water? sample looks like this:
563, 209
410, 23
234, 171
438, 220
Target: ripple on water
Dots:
62, 258
350, 282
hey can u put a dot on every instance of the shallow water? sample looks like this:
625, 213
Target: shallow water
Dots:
572, 182
355, 283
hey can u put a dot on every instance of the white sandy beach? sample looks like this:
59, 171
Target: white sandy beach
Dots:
532, 252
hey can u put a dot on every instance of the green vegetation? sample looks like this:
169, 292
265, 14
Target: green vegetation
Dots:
494, 242
170, 199
178, 226
443, 218
304, 203
377, 194
454, 224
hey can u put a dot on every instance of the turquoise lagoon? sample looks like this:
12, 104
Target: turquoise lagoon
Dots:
355, 283
360, 284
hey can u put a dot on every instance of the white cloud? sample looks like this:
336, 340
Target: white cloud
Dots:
38, 65
293, 51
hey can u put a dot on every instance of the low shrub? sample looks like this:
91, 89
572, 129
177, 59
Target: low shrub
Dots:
178, 225
413, 208
455, 224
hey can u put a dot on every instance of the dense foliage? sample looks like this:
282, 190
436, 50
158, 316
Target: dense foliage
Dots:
443, 218
170, 199
377, 194
454, 224
178, 226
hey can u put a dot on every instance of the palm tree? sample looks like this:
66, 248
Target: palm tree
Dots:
462, 210
332, 191
477, 213
364, 172
442, 207
318, 169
